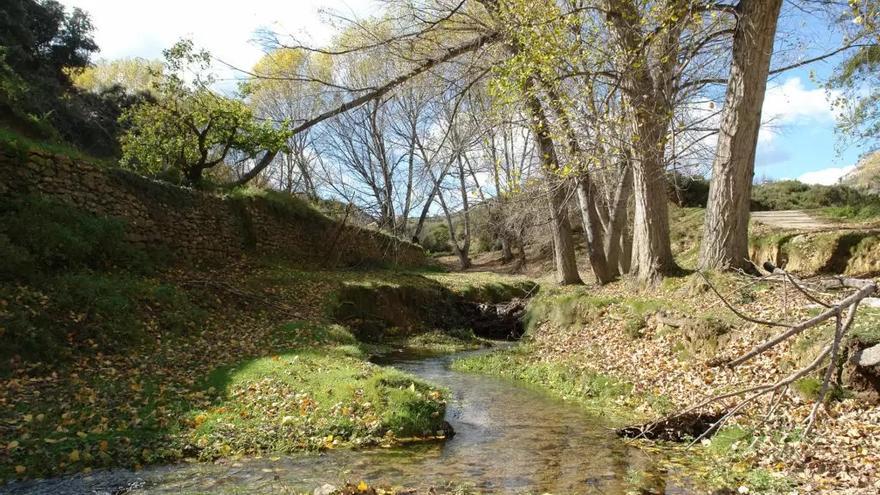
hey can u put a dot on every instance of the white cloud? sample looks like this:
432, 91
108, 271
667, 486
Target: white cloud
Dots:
143, 29
790, 104
826, 176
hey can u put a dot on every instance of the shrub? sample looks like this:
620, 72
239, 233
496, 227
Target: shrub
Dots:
793, 195
38, 236
688, 190
436, 238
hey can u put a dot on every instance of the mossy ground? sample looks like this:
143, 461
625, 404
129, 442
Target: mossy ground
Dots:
221, 381
117, 359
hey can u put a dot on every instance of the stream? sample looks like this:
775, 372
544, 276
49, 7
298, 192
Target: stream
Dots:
509, 439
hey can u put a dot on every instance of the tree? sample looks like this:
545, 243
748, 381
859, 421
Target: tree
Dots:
725, 237
857, 79
286, 86
41, 44
133, 75
189, 128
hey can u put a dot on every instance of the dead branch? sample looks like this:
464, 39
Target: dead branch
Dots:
843, 311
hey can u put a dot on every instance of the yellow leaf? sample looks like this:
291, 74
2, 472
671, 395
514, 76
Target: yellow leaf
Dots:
362, 486
20, 469
103, 446
74, 455
11, 445
201, 418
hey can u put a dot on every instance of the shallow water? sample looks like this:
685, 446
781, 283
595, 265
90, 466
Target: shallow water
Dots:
509, 439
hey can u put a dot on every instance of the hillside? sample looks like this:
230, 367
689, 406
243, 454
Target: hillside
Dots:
866, 176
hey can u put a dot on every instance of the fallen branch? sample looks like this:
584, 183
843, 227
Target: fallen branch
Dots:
844, 312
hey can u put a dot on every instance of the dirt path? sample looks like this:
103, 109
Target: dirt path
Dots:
790, 219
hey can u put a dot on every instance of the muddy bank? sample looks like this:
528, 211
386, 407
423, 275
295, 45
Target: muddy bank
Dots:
376, 313
837, 251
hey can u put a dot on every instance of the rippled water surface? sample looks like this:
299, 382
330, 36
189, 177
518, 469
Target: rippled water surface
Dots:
509, 439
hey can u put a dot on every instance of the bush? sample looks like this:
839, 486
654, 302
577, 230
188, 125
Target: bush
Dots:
436, 238
795, 195
38, 236
688, 190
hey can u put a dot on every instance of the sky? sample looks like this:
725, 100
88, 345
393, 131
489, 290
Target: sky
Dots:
798, 141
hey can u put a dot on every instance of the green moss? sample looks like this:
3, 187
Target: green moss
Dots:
307, 400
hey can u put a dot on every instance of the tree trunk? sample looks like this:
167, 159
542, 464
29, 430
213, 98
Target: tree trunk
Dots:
652, 250
560, 227
506, 253
648, 88
617, 244
586, 192
725, 238
588, 200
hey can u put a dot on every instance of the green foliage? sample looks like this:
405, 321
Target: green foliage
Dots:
41, 45
189, 128
858, 86
436, 238
690, 191
794, 195
40, 237
134, 75
865, 211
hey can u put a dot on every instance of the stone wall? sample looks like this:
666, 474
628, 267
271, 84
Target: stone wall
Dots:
197, 226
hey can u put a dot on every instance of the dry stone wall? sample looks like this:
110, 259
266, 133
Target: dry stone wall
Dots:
196, 226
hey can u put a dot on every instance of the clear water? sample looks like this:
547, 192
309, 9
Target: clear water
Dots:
509, 439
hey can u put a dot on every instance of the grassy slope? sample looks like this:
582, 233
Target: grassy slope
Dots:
115, 358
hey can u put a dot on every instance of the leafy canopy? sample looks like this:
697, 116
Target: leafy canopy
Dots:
857, 79
190, 128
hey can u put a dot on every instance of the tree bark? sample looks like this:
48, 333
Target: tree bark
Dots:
648, 88
560, 226
586, 192
725, 239
617, 245
588, 200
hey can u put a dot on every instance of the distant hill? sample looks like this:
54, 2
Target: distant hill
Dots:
866, 176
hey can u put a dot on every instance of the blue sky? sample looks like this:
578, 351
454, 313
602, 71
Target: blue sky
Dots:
800, 143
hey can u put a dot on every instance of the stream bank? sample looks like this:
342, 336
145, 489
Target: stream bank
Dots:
510, 439
635, 355
244, 370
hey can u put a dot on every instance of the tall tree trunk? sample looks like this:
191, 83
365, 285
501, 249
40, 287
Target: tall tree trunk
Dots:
586, 192
652, 249
588, 199
725, 238
615, 237
560, 227
648, 88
